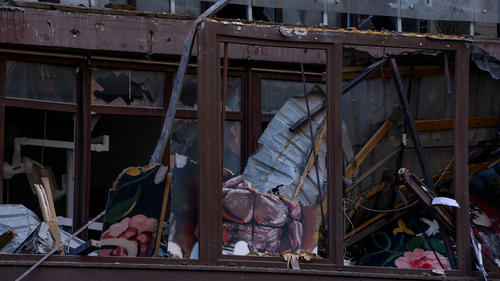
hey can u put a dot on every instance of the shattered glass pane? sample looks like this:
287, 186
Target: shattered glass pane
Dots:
188, 98
184, 141
125, 87
183, 229
40, 81
276, 92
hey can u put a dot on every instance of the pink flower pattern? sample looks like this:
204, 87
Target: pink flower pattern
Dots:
422, 259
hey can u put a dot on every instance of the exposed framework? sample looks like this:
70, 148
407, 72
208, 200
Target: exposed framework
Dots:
210, 158
210, 152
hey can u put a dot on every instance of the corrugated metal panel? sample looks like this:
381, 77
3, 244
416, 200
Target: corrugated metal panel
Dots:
282, 154
22, 220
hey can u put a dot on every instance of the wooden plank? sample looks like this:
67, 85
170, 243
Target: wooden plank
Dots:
367, 148
351, 72
425, 196
363, 153
6, 237
44, 195
162, 216
310, 162
447, 124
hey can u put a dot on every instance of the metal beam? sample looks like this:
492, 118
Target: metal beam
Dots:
335, 155
345, 89
418, 146
179, 81
374, 168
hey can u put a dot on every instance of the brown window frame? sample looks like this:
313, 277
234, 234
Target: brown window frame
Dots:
210, 178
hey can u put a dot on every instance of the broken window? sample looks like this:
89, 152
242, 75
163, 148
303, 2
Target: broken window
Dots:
38, 144
276, 92
184, 141
273, 205
188, 98
127, 87
41, 81
183, 224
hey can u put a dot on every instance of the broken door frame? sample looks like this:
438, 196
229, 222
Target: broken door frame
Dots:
210, 155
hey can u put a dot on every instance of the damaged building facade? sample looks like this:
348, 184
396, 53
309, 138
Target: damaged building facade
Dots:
334, 151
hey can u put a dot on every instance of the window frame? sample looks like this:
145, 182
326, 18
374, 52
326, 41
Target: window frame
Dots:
210, 220
210, 39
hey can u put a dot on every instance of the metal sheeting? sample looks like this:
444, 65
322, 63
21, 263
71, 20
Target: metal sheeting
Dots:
282, 155
22, 220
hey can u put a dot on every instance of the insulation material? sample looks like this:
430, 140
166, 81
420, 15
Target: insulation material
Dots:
281, 156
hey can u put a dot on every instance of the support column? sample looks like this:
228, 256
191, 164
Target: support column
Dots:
209, 148
460, 153
335, 235
82, 153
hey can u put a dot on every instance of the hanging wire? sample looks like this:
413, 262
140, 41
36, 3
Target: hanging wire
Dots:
379, 211
352, 225
444, 171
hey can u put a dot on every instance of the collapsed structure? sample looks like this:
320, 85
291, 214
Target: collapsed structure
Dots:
333, 136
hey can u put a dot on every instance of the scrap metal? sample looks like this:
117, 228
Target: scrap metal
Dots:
59, 246
425, 196
345, 89
418, 147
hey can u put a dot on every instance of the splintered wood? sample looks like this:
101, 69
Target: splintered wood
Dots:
44, 195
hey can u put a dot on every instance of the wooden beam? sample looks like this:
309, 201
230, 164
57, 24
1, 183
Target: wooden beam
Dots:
367, 148
351, 72
363, 153
447, 124
310, 162
162, 216
44, 195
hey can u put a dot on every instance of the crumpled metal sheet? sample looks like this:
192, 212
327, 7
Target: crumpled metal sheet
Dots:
282, 155
22, 220
485, 62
